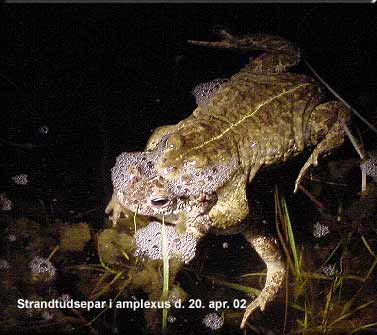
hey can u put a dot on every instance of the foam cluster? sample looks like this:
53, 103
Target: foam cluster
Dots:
65, 297
213, 321
330, 269
21, 179
5, 203
122, 173
42, 266
370, 165
204, 92
320, 230
149, 243
131, 167
194, 181
4, 265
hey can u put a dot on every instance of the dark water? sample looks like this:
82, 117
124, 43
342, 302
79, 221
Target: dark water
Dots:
81, 84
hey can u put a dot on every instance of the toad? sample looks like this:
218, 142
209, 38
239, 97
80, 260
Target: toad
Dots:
195, 173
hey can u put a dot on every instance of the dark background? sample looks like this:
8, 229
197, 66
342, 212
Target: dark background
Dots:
101, 78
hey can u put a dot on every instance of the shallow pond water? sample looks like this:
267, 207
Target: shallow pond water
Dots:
81, 84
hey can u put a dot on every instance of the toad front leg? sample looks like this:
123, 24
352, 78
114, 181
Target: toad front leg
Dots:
116, 208
267, 249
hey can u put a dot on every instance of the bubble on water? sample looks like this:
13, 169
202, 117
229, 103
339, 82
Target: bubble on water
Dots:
65, 297
171, 319
5, 203
12, 238
330, 269
213, 321
43, 130
320, 230
47, 315
20, 179
4, 265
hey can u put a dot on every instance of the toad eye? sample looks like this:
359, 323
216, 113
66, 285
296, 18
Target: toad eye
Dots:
160, 201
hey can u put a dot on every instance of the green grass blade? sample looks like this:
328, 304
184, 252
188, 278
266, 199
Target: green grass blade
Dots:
366, 244
291, 238
238, 287
364, 327
344, 316
135, 214
165, 262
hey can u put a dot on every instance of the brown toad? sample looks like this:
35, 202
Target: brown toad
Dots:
196, 171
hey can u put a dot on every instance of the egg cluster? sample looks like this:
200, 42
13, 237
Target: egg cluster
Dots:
149, 243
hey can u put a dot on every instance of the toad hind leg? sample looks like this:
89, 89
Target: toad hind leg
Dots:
279, 54
324, 130
267, 249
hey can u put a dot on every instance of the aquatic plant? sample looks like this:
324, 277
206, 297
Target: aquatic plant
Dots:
328, 290
336, 314
74, 237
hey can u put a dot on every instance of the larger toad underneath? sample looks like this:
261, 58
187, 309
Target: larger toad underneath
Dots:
195, 173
